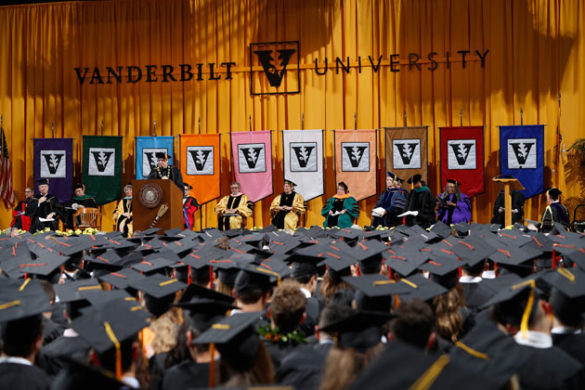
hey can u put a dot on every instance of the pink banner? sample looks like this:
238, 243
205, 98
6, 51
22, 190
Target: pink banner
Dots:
252, 155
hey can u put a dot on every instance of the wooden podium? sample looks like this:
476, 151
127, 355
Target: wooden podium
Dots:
156, 193
509, 184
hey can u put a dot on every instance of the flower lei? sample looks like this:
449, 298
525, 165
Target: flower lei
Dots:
295, 337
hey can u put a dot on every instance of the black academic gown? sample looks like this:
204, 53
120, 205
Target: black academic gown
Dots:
51, 205
421, 200
476, 294
67, 213
171, 173
574, 345
51, 358
554, 213
279, 350
28, 207
303, 367
186, 375
517, 204
21, 377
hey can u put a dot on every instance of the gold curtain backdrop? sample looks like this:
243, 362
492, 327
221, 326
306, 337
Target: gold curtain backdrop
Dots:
536, 52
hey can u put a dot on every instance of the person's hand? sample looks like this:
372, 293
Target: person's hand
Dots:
501, 210
42, 199
514, 211
330, 212
75, 206
287, 208
50, 215
343, 211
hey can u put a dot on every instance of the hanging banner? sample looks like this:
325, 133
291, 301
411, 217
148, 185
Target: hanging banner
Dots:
462, 158
407, 151
355, 161
146, 149
102, 167
53, 160
200, 159
252, 156
522, 156
303, 161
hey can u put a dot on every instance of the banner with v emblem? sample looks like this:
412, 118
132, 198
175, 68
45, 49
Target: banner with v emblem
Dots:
406, 151
200, 159
252, 156
462, 158
355, 161
522, 156
146, 149
303, 161
53, 160
102, 167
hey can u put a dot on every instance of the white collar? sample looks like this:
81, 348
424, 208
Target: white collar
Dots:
131, 381
306, 292
470, 279
490, 274
15, 360
325, 340
70, 333
534, 339
564, 330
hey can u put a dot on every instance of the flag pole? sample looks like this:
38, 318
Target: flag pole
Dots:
154, 131
52, 129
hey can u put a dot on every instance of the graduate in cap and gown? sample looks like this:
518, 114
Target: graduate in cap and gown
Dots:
287, 208
165, 171
232, 210
48, 207
392, 201
422, 201
80, 200
555, 212
341, 209
123, 212
454, 206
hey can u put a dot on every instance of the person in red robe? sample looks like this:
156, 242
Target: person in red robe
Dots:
190, 205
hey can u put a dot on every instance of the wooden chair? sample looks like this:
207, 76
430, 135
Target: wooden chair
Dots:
88, 218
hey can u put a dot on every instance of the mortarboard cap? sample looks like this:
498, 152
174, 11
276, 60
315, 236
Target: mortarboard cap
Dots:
20, 299
441, 229
361, 330
152, 265
122, 278
513, 255
43, 181
554, 193
414, 179
421, 288
162, 155
76, 375
390, 174
157, 286
453, 181
73, 291
290, 182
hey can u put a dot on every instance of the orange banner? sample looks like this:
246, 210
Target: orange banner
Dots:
200, 157
355, 161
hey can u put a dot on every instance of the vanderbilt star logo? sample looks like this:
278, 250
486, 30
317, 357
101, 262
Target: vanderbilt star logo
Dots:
461, 151
406, 151
200, 158
303, 153
102, 158
355, 154
251, 155
275, 59
53, 160
272, 73
521, 151
151, 160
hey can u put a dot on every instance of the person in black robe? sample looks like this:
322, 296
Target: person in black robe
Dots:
499, 216
555, 212
393, 201
48, 207
422, 201
79, 200
24, 210
164, 171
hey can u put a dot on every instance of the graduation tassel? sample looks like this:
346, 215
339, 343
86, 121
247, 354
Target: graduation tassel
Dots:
189, 275
211, 278
114, 340
528, 309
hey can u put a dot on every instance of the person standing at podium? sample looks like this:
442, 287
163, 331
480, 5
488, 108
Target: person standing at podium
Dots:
165, 171
232, 210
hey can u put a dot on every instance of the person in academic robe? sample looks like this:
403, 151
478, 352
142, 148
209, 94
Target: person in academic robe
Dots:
190, 205
287, 208
391, 203
164, 171
123, 212
341, 209
48, 207
422, 201
499, 216
24, 211
555, 212
454, 206
232, 210
80, 200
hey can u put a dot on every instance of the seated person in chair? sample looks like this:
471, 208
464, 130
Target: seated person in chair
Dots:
232, 210
391, 203
24, 210
48, 207
80, 200
287, 208
341, 209
123, 212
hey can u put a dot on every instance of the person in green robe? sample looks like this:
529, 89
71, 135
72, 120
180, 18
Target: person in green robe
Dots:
341, 209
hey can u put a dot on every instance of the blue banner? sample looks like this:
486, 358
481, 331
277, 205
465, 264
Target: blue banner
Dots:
53, 160
522, 156
146, 147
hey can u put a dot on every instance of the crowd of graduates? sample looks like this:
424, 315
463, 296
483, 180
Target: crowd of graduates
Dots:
473, 307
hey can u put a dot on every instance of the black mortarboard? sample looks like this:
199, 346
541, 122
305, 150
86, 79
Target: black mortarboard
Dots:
360, 330
43, 181
514, 238
204, 311
162, 155
422, 288
400, 264
99, 297
149, 232
73, 291
304, 266
43, 265
570, 282
441, 229
453, 181
554, 192
513, 255
290, 182
473, 250
414, 179
374, 292
121, 279
253, 277
20, 299
369, 255
390, 174
78, 185
417, 232
443, 270
157, 286
75, 375
462, 229
152, 265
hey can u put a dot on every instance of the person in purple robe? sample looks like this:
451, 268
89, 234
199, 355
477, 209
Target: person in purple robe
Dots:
454, 207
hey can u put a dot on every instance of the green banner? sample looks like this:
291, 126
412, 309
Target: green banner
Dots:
102, 167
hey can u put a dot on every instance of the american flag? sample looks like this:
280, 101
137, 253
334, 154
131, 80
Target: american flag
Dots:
6, 193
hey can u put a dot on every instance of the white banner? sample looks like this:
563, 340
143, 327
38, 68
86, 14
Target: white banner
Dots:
303, 161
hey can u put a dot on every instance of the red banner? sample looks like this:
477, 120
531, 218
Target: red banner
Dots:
462, 158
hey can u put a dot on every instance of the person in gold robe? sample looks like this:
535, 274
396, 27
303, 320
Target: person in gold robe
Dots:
123, 212
232, 210
287, 208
